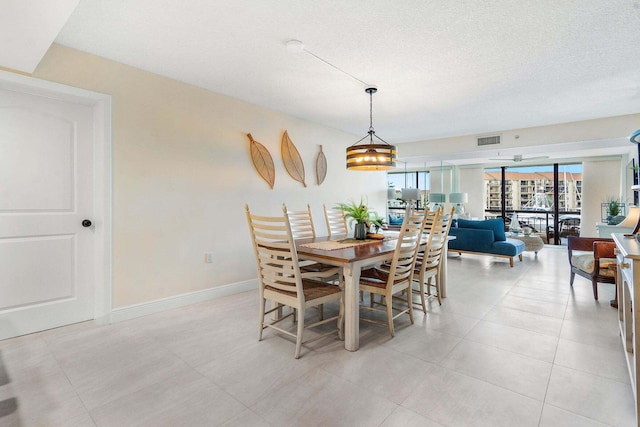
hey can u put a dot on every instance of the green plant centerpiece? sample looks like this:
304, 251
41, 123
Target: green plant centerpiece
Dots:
357, 213
363, 218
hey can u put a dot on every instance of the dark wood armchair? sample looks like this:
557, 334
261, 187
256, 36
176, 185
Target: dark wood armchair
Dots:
594, 260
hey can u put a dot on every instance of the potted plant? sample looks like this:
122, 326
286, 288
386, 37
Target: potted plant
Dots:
357, 213
376, 221
613, 210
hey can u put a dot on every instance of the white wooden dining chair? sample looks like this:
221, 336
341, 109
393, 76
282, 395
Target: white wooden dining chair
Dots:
429, 263
428, 260
394, 282
283, 283
336, 222
302, 227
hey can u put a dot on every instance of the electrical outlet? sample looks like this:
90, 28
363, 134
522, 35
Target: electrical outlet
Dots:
208, 257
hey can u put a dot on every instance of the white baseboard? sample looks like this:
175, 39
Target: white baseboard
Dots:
144, 309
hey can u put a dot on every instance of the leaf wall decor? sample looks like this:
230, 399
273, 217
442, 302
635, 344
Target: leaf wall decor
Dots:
291, 159
321, 167
262, 161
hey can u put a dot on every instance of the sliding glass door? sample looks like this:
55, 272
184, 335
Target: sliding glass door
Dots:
545, 198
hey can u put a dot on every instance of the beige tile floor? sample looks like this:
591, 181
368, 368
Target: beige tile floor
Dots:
508, 347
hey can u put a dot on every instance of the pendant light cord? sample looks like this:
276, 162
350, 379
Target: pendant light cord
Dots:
371, 110
334, 66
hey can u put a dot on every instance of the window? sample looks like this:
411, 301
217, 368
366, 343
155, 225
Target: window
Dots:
416, 179
529, 190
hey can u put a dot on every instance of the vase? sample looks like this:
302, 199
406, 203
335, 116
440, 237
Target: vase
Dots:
360, 232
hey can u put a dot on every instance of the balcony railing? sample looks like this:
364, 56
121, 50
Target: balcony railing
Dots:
541, 221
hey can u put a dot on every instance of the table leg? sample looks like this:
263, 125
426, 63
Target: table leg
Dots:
351, 307
443, 270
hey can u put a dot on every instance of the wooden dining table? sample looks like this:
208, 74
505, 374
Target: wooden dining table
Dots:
352, 260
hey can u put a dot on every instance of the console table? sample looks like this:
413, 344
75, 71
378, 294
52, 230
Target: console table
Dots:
628, 286
606, 230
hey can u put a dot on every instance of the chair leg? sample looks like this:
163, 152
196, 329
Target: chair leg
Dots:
300, 332
511, 261
594, 283
410, 304
263, 303
389, 301
422, 299
320, 312
437, 281
341, 320
571, 277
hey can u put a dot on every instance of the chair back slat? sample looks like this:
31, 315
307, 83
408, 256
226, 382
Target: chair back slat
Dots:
404, 258
431, 217
336, 222
446, 221
275, 253
430, 257
301, 223
440, 237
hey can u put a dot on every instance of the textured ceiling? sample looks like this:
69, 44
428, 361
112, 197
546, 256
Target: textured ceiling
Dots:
443, 68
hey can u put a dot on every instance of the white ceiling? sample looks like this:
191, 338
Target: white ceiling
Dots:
443, 68
27, 29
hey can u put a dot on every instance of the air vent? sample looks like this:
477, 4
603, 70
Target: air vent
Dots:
488, 140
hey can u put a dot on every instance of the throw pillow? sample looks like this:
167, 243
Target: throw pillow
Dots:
496, 225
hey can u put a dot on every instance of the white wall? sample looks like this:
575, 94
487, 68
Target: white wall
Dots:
589, 131
471, 181
600, 181
182, 175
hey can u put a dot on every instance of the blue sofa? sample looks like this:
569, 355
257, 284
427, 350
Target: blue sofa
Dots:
484, 237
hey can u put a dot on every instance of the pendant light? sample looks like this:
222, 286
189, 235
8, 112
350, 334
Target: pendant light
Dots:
371, 156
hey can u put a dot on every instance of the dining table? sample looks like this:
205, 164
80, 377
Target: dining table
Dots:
353, 257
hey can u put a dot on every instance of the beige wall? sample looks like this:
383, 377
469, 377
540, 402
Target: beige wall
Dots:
182, 174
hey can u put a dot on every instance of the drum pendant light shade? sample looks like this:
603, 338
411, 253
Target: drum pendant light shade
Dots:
371, 156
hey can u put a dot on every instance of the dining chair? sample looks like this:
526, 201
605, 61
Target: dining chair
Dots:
336, 222
397, 278
302, 228
283, 283
429, 262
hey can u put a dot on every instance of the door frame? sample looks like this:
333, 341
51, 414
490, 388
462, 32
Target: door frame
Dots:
102, 184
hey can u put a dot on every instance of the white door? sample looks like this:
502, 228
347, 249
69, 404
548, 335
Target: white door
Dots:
46, 191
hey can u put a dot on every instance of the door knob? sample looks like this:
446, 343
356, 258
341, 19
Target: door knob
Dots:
86, 223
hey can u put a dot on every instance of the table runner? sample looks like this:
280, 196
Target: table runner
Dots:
331, 245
